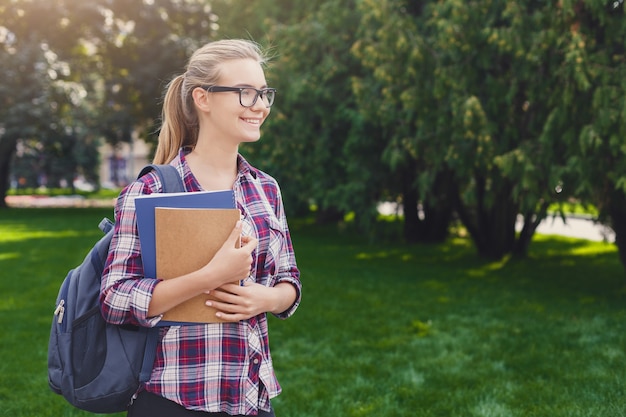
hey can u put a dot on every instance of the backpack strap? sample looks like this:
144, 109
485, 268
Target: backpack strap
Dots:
172, 183
168, 175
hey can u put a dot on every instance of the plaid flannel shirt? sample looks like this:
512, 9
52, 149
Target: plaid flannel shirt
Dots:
217, 367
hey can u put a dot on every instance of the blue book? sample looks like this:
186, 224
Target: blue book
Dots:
145, 208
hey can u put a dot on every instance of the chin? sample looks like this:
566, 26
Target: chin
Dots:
251, 139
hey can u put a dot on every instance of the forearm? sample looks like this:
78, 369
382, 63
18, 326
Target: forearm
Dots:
172, 292
284, 295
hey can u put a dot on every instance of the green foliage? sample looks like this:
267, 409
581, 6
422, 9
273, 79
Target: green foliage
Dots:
488, 57
46, 105
316, 143
487, 109
141, 47
78, 72
444, 333
505, 88
396, 93
589, 116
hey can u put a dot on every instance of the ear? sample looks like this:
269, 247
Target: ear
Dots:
201, 99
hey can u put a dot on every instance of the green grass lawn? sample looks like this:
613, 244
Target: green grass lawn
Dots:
383, 330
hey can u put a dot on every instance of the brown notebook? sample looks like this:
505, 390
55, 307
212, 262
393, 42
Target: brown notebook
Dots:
186, 240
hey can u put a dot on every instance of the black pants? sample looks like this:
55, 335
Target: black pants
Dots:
151, 405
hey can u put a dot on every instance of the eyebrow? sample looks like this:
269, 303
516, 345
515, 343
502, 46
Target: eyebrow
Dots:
250, 85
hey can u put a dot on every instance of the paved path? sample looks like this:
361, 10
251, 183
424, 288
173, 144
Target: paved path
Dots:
59, 201
577, 227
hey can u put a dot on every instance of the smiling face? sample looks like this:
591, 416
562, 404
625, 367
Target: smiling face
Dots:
224, 117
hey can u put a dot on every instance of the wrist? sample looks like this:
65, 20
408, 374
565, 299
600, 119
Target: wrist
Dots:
284, 297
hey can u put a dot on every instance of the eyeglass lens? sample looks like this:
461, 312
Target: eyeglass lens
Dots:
249, 96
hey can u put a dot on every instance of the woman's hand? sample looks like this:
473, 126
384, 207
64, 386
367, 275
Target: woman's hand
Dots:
240, 302
233, 261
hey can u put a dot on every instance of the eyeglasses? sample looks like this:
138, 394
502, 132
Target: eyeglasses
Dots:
247, 95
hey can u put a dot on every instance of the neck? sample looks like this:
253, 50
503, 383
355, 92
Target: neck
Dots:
214, 167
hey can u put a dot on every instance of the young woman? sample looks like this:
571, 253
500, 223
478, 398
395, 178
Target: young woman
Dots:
220, 368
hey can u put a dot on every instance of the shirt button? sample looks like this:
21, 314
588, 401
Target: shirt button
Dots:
255, 361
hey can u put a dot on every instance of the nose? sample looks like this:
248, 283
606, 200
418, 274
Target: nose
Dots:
260, 103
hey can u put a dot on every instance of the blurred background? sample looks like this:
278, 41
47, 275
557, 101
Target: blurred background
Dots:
420, 146
488, 115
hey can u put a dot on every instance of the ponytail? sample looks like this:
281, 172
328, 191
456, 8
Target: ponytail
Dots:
177, 129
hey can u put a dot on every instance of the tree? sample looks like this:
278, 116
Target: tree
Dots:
471, 109
498, 76
590, 115
396, 92
141, 46
35, 100
315, 139
317, 117
119, 54
496, 109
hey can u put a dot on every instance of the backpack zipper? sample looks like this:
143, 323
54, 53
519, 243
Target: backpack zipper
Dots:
60, 311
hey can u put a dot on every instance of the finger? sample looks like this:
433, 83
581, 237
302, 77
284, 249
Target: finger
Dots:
225, 296
235, 236
249, 244
230, 317
221, 305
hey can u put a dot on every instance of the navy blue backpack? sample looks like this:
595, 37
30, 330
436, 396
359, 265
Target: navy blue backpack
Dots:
95, 365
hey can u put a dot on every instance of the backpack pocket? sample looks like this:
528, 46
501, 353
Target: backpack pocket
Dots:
106, 362
89, 347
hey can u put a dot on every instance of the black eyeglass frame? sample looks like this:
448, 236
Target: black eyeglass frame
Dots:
259, 93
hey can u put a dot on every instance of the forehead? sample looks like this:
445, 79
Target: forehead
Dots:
242, 72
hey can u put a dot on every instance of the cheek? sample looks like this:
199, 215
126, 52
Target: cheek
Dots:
267, 113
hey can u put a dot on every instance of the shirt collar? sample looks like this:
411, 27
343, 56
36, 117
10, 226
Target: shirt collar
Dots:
243, 166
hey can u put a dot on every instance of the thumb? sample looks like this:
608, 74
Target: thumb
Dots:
235, 236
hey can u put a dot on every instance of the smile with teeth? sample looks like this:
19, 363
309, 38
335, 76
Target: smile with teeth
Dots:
252, 121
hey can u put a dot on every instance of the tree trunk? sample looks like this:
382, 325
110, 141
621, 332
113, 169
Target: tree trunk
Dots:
617, 212
434, 225
328, 215
7, 149
438, 211
491, 227
409, 205
531, 222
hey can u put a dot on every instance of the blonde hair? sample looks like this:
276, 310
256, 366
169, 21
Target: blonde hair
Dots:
179, 126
